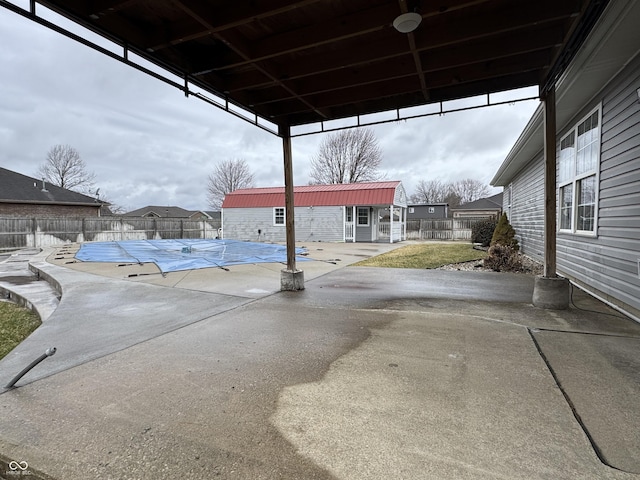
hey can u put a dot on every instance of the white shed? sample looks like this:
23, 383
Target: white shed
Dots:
354, 212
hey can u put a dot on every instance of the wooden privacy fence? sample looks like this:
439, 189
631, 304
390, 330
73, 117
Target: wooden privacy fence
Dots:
41, 232
441, 229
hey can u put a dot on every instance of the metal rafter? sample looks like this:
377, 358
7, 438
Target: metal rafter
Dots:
238, 45
301, 61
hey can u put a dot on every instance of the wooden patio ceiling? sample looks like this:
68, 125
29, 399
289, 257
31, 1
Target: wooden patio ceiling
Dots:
295, 62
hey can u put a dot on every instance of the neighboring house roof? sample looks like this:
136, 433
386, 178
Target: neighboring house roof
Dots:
18, 188
163, 211
427, 204
489, 203
611, 44
340, 194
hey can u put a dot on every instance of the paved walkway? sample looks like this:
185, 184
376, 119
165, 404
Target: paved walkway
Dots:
367, 373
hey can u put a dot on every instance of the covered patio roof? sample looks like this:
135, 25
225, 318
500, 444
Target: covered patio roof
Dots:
289, 63
296, 62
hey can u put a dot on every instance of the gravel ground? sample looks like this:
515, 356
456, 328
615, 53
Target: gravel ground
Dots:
530, 266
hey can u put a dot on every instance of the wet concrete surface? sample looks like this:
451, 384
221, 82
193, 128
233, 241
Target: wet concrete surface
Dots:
367, 373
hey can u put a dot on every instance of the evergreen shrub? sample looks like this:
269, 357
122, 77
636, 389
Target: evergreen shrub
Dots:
504, 234
482, 232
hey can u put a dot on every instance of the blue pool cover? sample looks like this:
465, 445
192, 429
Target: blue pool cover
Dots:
185, 254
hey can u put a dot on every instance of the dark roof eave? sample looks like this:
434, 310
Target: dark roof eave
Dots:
35, 202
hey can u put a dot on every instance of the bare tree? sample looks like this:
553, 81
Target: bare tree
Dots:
103, 198
227, 176
453, 193
348, 156
469, 190
452, 199
432, 191
64, 168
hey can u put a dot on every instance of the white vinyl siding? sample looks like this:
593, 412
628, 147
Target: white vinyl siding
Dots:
608, 263
526, 209
322, 224
605, 262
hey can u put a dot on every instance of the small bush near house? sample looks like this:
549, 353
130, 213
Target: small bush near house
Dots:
503, 258
504, 234
482, 232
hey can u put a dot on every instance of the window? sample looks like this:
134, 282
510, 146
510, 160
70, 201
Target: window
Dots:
363, 216
349, 212
278, 216
412, 210
578, 162
432, 209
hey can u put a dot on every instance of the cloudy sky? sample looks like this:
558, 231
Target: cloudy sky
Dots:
150, 145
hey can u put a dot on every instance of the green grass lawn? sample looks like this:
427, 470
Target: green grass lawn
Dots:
425, 255
16, 323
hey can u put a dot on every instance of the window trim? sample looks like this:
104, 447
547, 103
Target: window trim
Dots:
358, 224
575, 180
276, 216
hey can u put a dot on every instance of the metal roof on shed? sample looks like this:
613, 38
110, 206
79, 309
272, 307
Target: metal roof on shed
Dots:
366, 193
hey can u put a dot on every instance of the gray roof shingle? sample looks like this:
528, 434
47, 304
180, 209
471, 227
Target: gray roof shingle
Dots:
162, 211
488, 203
18, 188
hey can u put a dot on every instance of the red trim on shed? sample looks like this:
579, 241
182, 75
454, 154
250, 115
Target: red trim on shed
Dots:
343, 194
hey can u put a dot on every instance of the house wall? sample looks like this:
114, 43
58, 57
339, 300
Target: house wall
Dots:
422, 212
364, 233
608, 264
321, 224
28, 210
495, 213
526, 214
400, 196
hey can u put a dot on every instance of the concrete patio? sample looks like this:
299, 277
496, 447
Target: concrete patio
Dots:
367, 373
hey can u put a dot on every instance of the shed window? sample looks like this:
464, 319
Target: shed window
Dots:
278, 216
579, 158
432, 209
363, 216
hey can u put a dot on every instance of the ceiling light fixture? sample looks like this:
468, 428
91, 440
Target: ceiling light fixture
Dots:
407, 22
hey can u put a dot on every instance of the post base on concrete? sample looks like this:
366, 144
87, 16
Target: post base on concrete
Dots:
291, 281
551, 293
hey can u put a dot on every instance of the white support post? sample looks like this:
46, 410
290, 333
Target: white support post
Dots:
354, 221
390, 223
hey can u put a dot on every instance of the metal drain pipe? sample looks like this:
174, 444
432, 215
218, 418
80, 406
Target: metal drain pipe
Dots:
49, 352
